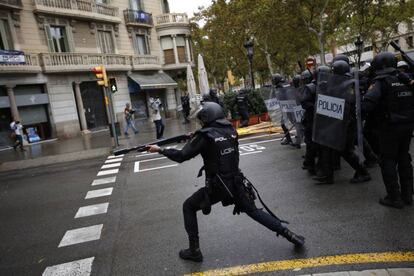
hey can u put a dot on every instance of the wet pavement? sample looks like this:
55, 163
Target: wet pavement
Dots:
96, 140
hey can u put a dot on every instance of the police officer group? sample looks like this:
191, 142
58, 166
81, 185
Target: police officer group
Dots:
388, 105
388, 123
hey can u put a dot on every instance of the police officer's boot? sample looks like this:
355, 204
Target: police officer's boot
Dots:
361, 176
193, 253
297, 240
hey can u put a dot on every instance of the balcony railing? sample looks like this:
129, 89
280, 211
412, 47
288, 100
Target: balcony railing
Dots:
31, 65
88, 6
76, 62
136, 17
172, 18
146, 62
11, 3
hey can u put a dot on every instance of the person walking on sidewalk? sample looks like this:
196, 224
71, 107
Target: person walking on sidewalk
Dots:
156, 104
17, 127
129, 119
185, 102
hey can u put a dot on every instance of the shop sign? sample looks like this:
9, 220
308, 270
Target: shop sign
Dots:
12, 57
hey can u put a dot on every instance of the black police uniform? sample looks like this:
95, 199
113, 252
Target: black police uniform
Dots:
308, 104
242, 103
185, 102
395, 102
218, 145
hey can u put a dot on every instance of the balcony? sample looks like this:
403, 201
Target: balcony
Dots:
31, 65
138, 18
13, 4
180, 19
79, 9
76, 62
145, 62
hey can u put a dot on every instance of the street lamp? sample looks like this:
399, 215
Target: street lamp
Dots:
359, 45
249, 48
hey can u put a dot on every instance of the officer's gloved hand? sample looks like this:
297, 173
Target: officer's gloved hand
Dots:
236, 210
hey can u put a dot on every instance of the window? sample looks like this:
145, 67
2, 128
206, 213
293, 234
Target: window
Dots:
105, 42
168, 48
103, 1
137, 5
180, 40
165, 6
5, 36
141, 44
57, 37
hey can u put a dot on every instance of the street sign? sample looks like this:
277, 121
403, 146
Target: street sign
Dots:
12, 57
112, 85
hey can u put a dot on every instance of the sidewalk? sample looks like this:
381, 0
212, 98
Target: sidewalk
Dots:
377, 272
86, 146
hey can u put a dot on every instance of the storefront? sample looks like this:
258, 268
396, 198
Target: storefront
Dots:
32, 110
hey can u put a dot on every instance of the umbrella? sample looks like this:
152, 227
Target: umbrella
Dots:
191, 88
202, 77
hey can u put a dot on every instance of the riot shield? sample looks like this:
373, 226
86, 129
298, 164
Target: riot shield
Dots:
272, 104
333, 109
289, 100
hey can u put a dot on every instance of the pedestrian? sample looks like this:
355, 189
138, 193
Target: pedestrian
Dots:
394, 100
17, 128
129, 119
217, 142
185, 103
156, 105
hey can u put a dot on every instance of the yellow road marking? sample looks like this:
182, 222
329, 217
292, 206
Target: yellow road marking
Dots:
386, 257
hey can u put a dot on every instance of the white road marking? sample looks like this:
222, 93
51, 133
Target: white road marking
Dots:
136, 167
79, 268
81, 235
252, 152
109, 166
102, 181
153, 159
260, 136
113, 156
146, 154
99, 193
113, 160
114, 171
262, 142
158, 168
92, 210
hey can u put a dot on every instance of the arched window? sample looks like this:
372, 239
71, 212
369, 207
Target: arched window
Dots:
165, 6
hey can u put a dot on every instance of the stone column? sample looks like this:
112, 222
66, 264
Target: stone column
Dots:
81, 110
13, 105
188, 49
177, 61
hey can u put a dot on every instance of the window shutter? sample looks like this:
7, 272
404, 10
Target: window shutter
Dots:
141, 5
70, 42
49, 39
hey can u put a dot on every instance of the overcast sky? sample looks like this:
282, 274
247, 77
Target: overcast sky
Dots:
187, 6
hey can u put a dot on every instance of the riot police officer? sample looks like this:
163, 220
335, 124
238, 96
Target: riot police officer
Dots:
395, 101
218, 145
212, 97
279, 82
242, 102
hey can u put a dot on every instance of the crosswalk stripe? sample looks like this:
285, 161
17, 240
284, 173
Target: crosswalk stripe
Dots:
102, 181
99, 193
81, 235
107, 172
92, 210
79, 268
113, 156
109, 166
113, 160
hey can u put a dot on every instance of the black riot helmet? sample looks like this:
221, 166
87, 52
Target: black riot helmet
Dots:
296, 81
384, 63
341, 57
340, 67
276, 79
321, 69
306, 77
211, 112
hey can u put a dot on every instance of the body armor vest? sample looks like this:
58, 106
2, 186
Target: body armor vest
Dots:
398, 100
223, 151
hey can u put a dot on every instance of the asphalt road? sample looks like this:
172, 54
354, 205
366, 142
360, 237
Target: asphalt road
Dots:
142, 230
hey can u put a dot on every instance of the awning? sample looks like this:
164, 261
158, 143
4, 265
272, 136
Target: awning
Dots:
157, 80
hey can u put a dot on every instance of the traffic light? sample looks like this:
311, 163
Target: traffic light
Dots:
100, 73
112, 85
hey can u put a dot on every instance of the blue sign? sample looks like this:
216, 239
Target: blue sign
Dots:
12, 57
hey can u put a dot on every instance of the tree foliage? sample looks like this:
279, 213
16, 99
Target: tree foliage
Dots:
287, 31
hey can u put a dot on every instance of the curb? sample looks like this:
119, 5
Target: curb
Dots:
53, 159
